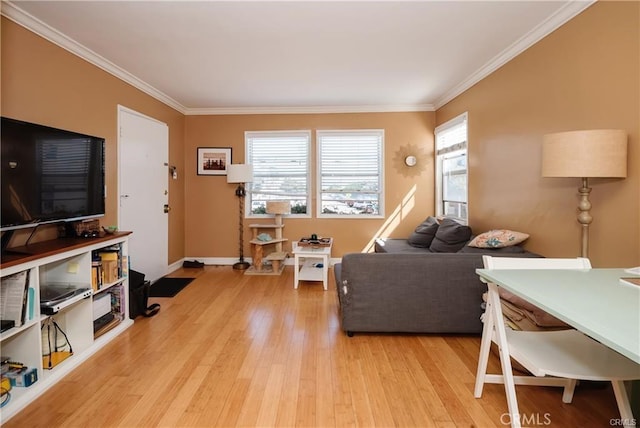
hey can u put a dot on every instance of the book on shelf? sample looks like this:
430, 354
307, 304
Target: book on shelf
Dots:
111, 260
14, 292
96, 273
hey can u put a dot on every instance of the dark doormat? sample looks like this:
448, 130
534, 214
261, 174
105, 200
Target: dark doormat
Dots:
168, 287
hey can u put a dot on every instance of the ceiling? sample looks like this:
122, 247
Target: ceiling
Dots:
220, 57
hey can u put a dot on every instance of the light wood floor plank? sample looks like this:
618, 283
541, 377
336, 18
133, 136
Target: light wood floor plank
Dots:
234, 350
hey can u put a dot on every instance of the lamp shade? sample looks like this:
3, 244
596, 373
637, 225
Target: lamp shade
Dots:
590, 153
239, 173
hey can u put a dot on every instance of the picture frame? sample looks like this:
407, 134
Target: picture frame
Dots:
213, 160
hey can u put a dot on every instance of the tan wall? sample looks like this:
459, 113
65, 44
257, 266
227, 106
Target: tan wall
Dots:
45, 84
585, 75
212, 207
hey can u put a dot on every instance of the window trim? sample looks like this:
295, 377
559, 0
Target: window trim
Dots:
448, 152
249, 159
381, 175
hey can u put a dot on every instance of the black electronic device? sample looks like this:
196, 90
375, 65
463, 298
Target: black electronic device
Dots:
49, 175
102, 321
55, 297
6, 325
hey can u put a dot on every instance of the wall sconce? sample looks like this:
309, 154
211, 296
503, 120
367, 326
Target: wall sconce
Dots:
410, 160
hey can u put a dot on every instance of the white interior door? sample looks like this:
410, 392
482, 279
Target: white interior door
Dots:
143, 190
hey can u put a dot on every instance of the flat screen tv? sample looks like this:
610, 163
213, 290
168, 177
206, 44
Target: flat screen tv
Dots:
49, 175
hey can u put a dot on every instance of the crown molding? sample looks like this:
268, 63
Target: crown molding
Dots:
308, 110
24, 19
562, 15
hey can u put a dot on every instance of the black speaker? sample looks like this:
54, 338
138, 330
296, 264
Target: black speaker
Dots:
138, 294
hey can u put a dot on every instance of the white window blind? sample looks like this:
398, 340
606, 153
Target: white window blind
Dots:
280, 162
350, 165
451, 169
452, 135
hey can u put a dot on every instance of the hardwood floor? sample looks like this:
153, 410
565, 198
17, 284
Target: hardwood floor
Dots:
233, 350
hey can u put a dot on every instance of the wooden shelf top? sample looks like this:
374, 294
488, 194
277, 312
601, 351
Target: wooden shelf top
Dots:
272, 241
38, 250
277, 256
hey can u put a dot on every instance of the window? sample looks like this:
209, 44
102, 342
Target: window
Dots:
280, 162
350, 181
451, 169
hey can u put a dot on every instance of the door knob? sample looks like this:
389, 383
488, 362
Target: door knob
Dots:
167, 208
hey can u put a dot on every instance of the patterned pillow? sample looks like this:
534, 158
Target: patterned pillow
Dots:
498, 239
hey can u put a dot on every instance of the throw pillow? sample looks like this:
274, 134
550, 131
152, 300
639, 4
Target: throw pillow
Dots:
451, 237
498, 239
424, 233
515, 249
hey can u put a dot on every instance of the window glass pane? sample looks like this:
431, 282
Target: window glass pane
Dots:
280, 169
454, 180
451, 164
350, 165
455, 209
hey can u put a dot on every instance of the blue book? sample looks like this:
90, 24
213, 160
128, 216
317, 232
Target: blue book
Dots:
31, 301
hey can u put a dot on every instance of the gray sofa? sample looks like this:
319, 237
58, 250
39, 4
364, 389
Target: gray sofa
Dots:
406, 289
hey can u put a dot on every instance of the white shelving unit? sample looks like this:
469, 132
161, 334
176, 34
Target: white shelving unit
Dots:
66, 261
311, 263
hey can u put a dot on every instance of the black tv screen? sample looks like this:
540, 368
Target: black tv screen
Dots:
49, 175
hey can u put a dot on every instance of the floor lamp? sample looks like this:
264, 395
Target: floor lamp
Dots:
585, 154
241, 174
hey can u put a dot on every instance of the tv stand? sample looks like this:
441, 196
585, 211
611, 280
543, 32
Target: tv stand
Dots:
8, 252
62, 261
6, 239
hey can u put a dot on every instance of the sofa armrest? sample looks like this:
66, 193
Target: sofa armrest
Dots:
427, 293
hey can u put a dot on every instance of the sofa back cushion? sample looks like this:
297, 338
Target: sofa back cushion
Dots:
423, 235
450, 237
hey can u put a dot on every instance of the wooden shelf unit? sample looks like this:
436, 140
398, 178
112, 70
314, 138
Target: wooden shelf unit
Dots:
64, 260
274, 259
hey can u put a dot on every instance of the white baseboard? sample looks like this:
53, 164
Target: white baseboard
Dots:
229, 261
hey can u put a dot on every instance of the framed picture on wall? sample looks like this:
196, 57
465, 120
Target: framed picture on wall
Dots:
213, 160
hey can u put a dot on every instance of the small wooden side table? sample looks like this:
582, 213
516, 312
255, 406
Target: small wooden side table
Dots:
311, 263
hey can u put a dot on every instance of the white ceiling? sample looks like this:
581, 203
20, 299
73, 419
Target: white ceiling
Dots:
213, 57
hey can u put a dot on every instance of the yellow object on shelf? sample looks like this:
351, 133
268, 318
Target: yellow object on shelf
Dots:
5, 384
55, 358
109, 255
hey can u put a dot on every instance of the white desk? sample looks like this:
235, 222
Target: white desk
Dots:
593, 301
307, 262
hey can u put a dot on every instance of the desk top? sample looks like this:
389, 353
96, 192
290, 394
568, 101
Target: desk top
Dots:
591, 300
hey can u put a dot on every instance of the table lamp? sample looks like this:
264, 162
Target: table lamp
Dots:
585, 154
241, 174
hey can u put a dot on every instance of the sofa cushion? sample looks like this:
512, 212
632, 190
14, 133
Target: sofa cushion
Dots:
424, 233
389, 245
450, 237
498, 239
